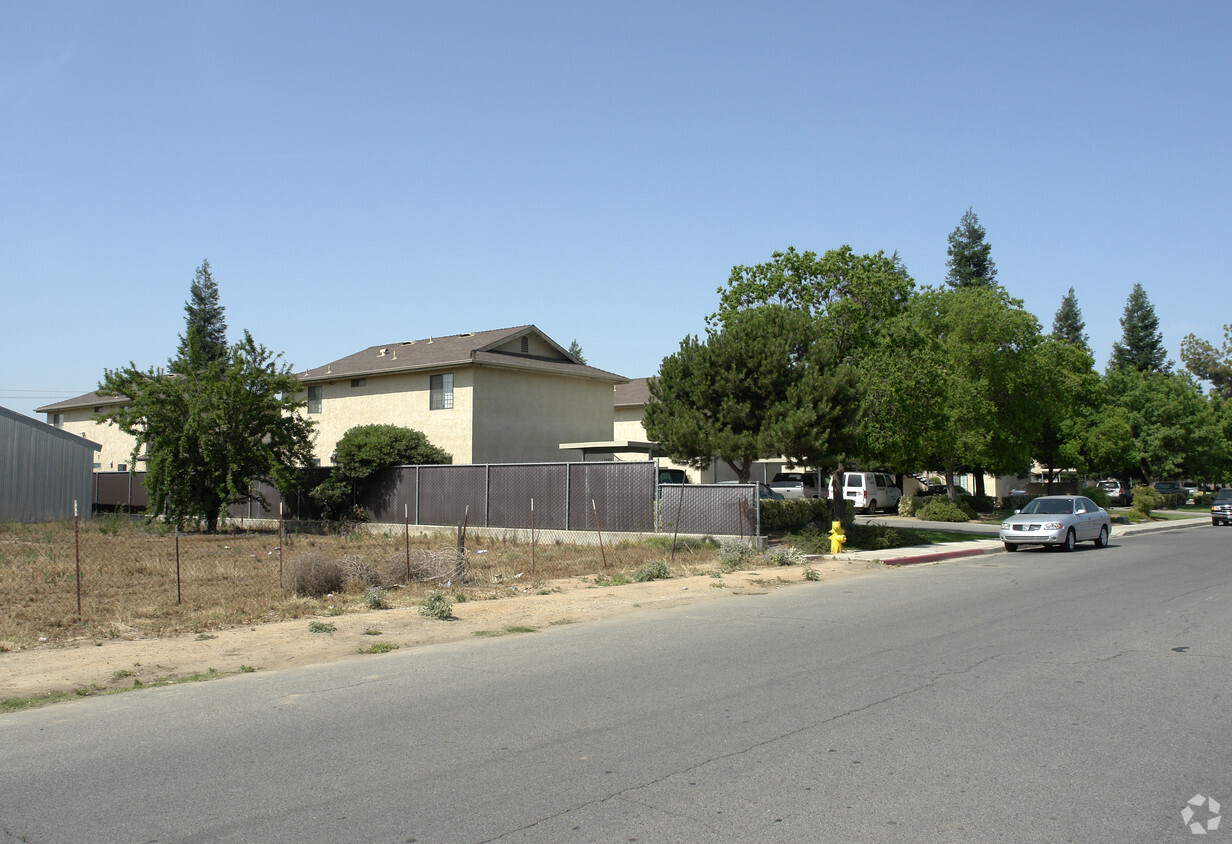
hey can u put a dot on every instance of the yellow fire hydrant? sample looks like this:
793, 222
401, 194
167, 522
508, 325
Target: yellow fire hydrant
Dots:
837, 537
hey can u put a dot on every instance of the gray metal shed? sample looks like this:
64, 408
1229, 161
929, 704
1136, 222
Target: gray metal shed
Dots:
43, 470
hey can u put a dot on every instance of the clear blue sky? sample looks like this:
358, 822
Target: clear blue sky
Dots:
369, 172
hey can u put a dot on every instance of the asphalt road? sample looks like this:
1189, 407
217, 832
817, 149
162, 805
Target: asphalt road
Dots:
1039, 696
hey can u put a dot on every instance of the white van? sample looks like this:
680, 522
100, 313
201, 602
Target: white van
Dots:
871, 491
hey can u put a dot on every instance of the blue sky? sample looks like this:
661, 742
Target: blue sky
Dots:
370, 172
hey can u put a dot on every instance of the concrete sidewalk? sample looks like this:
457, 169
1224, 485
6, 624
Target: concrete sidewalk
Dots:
983, 547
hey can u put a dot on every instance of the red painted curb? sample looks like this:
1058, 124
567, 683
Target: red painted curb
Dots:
930, 558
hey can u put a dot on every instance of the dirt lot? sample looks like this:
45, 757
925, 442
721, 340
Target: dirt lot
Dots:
100, 666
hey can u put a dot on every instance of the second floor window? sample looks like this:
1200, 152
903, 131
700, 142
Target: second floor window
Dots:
440, 392
314, 399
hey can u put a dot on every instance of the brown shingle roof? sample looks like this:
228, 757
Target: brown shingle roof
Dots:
454, 350
88, 400
633, 394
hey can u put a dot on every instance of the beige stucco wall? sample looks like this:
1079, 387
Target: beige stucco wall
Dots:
399, 399
117, 446
523, 417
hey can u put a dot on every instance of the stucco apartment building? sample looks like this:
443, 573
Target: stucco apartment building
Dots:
76, 416
511, 395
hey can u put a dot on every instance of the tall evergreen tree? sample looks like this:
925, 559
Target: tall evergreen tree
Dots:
1142, 343
970, 262
205, 332
1068, 325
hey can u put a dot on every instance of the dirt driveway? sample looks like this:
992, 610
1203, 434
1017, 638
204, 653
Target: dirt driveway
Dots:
97, 666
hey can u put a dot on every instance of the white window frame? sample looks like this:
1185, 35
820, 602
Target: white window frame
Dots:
440, 391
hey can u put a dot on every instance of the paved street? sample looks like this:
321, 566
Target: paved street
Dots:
1040, 696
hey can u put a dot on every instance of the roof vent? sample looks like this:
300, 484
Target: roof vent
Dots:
429, 339
382, 353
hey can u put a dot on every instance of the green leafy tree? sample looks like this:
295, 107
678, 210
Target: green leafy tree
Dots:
1175, 431
361, 454
1068, 325
1069, 396
1208, 363
213, 429
765, 384
575, 349
1141, 346
951, 384
205, 334
849, 295
970, 256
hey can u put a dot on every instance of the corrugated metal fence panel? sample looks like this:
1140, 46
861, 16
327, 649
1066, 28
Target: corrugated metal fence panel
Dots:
42, 471
515, 488
708, 509
619, 496
449, 494
391, 500
255, 509
115, 490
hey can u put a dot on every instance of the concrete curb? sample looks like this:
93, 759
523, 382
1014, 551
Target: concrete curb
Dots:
932, 558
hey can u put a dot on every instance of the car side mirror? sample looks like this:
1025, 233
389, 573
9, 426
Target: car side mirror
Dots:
1016, 512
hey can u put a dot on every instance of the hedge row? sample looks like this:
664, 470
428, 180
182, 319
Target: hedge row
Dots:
796, 513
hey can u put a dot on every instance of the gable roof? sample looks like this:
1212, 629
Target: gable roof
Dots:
481, 348
91, 400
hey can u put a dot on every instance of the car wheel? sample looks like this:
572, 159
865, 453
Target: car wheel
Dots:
1102, 540
1070, 540
872, 506
1011, 547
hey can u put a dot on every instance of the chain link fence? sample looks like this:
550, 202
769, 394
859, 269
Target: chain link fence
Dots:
122, 577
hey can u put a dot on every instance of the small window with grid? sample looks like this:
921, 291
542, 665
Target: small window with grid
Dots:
440, 390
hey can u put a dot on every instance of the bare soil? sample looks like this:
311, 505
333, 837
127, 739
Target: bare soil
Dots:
101, 666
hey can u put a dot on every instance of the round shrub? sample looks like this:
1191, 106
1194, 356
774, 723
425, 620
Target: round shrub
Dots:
735, 555
312, 574
656, 570
785, 555
1099, 495
907, 505
943, 510
1147, 499
982, 503
436, 605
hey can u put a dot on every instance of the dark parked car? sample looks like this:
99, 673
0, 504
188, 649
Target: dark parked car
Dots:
672, 476
1221, 507
1171, 488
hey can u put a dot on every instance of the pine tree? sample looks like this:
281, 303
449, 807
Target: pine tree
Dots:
575, 349
970, 262
1068, 325
1142, 343
205, 336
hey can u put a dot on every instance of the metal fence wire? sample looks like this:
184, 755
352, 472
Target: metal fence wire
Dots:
120, 576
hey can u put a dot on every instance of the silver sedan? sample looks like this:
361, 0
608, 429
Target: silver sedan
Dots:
1060, 520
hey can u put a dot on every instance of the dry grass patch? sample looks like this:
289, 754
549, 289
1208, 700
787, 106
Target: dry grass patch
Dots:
139, 581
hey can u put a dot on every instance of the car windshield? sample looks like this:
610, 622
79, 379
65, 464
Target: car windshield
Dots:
1049, 506
1224, 494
